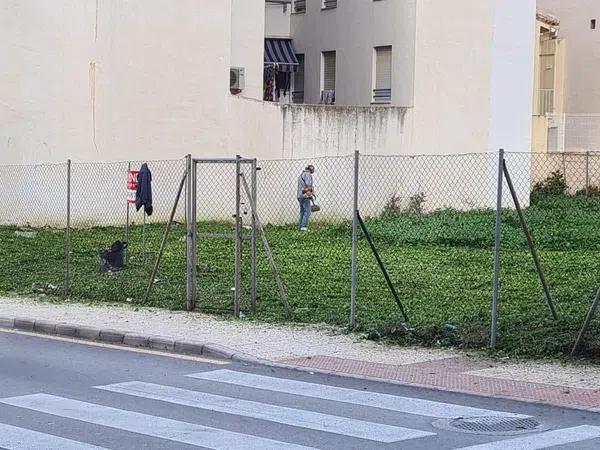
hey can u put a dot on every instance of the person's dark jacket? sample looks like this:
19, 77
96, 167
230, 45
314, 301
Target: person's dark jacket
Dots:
143, 195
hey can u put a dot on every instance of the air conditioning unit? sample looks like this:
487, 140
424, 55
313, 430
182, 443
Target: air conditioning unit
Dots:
237, 79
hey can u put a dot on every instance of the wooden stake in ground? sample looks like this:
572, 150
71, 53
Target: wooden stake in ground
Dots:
163, 244
263, 236
590, 315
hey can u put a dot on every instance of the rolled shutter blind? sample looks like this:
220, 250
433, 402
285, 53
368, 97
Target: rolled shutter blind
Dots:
329, 71
383, 79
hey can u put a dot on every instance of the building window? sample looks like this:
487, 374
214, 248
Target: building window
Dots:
329, 4
299, 6
382, 91
593, 24
298, 91
328, 78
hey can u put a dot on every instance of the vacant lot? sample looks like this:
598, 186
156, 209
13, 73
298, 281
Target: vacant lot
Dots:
441, 265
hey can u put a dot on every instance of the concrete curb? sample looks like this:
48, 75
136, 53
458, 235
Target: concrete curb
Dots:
119, 337
211, 350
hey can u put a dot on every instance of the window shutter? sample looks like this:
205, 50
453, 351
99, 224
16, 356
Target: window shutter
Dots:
329, 71
299, 6
383, 68
383, 75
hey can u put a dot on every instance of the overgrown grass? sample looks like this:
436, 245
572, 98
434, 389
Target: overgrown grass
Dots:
441, 265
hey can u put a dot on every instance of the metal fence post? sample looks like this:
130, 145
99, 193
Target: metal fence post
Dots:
496, 288
126, 251
190, 235
68, 233
253, 243
587, 174
354, 276
238, 241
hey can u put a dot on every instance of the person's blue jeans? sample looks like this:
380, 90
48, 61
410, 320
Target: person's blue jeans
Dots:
304, 212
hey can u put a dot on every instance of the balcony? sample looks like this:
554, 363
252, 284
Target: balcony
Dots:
546, 101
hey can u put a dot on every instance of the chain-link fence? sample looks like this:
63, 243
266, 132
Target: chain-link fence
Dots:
573, 132
431, 219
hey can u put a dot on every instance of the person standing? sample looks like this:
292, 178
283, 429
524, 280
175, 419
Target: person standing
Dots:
306, 191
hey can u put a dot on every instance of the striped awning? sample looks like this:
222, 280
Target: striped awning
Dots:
281, 53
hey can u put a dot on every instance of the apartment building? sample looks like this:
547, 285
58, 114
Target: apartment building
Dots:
567, 94
463, 70
579, 28
100, 80
347, 50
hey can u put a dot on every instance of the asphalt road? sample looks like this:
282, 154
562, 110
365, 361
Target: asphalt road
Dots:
67, 395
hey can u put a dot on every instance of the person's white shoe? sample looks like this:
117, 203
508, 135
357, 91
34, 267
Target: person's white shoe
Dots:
303, 229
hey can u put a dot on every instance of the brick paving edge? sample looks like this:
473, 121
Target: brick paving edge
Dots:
209, 349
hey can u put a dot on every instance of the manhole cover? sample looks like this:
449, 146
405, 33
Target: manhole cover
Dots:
504, 425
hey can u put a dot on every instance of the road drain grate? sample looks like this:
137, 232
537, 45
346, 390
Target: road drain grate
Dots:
494, 425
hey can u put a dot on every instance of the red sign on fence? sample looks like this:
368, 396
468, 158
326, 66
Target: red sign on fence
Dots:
132, 185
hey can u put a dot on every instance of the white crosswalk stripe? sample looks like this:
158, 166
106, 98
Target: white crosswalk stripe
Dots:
288, 416
407, 405
543, 440
15, 438
183, 432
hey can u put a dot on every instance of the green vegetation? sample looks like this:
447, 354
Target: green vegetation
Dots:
441, 264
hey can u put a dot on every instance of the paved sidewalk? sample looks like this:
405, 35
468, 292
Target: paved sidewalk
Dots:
323, 348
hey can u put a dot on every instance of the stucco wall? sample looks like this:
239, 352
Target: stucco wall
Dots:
277, 20
452, 76
353, 29
247, 43
315, 131
118, 82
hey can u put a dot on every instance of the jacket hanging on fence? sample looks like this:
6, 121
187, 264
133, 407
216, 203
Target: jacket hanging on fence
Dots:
143, 195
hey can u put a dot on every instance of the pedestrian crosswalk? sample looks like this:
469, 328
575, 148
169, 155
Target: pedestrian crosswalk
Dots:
15, 438
273, 413
384, 401
302, 407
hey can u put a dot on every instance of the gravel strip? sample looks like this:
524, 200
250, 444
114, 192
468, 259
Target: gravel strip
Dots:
266, 341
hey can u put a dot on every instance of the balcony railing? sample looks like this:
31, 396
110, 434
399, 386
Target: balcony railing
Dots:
297, 96
382, 95
546, 101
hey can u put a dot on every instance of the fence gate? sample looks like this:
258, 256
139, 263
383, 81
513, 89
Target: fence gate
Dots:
221, 234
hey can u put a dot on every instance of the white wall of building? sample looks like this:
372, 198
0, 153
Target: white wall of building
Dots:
109, 80
247, 43
353, 29
512, 85
512, 80
277, 20
452, 76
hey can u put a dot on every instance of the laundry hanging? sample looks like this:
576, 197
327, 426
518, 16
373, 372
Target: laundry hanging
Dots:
143, 195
